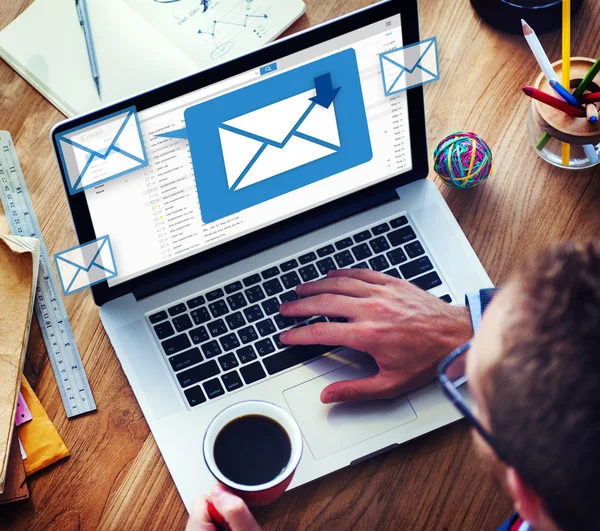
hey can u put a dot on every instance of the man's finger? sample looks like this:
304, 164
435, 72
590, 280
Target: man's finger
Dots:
331, 334
324, 304
374, 387
340, 285
234, 510
366, 275
199, 518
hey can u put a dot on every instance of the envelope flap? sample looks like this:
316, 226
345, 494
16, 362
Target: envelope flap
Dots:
98, 138
409, 57
274, 122
83, 256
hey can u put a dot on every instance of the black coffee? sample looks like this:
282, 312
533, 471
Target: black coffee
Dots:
252, 450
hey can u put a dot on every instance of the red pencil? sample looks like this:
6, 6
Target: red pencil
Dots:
590, 98
571, 110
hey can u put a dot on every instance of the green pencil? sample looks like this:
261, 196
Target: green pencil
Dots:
589, 77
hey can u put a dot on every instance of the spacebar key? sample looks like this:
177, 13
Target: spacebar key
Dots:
293, 356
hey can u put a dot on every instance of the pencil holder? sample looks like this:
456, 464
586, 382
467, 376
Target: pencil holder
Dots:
548, 128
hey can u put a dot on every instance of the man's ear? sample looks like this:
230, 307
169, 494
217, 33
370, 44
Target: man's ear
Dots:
527, 503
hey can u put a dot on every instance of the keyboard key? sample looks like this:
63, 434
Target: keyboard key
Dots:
195, 396
266, 327
251, 280
428, 281
214, 295
270, 273
182, 323
397, 256
213, 388
344, 259
325, 251
272, 287
211, 349
362, 236
344, 244
176, 310
229, 361
446, 298
158, 317
393, 273
380, 229
308, 273
277, 339
379, 263
265, 347
246, 354
216, 328
232, 381
198, 374
414, 249
361, 251
398, 222
186, 359
400, 236
253, 372
255, 294
195, 302
236, 301
290, 280
317, 320
200, 315
233, 287
176, 344
289, 296
326, 265
248, 334
235, 320
199, 335
229, 342
271, 306
416, 267
164, 330
218, 308
379, 245
283, 322
361, 265
293, 356
254, 313
289, 265
306, 258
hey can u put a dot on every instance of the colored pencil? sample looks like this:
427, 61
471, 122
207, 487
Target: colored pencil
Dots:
538, 51
564, 93
589, 77
592, 113
566, 65
592, 97
546, 98
591, 153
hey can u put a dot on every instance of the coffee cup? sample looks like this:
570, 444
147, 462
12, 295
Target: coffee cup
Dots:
253, 448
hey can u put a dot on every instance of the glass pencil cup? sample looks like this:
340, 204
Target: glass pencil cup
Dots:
548, 129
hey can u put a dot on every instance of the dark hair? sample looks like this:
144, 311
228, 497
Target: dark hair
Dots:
544, 393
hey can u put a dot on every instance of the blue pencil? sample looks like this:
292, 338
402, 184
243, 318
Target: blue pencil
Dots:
564, 93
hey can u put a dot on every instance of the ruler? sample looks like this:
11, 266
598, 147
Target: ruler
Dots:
51, 314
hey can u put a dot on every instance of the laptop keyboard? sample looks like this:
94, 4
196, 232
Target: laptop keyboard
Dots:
224, 339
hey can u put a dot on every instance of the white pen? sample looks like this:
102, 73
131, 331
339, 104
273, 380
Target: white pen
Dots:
84, 20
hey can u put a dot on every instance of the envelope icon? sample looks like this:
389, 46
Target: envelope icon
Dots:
410, 66
85, 265
102, 150
277, 138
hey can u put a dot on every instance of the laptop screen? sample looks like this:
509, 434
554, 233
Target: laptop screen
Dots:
247, 152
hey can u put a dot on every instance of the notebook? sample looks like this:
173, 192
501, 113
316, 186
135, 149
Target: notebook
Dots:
139, 44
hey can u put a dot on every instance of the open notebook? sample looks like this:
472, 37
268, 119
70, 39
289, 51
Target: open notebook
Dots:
139, 43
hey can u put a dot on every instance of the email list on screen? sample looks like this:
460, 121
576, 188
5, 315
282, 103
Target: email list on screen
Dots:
155, 215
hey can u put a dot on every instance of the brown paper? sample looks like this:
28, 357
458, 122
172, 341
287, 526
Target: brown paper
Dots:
15, 488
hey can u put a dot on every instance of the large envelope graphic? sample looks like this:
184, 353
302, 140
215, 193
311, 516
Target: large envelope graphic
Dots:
277, 138
85, 265
102, 150
410, 66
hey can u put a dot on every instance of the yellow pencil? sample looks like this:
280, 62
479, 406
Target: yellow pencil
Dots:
566, 65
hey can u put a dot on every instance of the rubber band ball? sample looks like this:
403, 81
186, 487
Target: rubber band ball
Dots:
463, 160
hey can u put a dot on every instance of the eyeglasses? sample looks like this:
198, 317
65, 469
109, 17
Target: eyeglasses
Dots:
453, 378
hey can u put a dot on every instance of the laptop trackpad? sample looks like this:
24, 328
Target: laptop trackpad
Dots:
329, 428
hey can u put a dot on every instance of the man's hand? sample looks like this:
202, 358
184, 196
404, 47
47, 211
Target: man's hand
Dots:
408, 331
232, 509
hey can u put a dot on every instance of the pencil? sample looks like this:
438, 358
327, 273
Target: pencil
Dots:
538, 51
554, 102
564, 93
589, 77
566, 65
592, 113
592, 97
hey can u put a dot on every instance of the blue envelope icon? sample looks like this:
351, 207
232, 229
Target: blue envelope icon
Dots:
85, 265
410, 66
102, 150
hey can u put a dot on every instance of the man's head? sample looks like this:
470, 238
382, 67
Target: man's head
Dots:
534, 372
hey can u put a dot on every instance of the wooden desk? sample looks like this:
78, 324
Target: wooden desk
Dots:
116, 478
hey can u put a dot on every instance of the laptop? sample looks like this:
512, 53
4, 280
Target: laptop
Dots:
248, 181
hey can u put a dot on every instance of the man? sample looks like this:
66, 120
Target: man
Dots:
533, 371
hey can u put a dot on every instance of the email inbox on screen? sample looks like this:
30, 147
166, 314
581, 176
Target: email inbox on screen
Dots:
286, 132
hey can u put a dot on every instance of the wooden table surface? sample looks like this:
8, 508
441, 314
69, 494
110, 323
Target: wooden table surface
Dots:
116, 478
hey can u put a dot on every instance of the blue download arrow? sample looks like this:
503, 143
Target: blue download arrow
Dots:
325, 91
